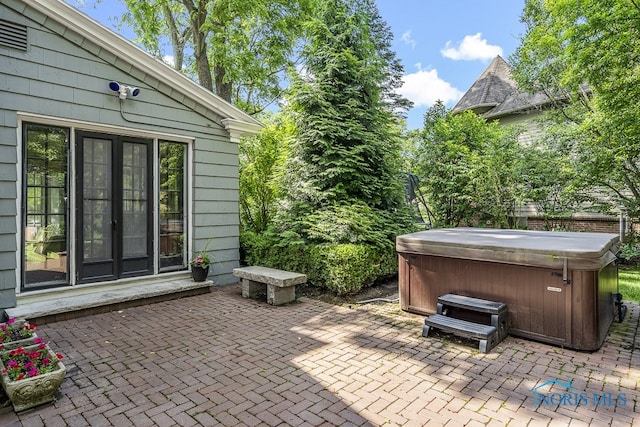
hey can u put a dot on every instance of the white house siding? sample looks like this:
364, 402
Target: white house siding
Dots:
529, 121
63, 75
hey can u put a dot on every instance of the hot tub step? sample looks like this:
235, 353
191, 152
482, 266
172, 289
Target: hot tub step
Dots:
497, 311
488, 335
470, 303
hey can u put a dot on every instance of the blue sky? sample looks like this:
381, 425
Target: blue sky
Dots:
444, 45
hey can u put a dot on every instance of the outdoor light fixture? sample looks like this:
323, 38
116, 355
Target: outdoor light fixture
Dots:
123, 91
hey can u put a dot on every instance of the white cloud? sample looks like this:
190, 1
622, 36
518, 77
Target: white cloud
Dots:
424, 88
471, 48
406, 38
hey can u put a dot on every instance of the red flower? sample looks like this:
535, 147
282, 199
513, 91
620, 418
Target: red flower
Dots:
59, 356
21, 363
18, 351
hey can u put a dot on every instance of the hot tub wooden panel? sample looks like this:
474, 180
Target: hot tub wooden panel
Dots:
534, 311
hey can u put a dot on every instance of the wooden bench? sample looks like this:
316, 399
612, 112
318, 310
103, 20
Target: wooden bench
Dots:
280, 285
451, 305
497, 310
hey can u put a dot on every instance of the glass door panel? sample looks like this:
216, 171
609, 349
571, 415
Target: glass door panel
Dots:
135, 207
97, 219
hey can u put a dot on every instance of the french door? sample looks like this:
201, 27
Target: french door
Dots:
114, 208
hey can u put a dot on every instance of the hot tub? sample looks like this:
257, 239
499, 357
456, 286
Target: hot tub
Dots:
558, 286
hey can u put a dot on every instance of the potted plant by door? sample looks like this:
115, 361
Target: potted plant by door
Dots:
200, 267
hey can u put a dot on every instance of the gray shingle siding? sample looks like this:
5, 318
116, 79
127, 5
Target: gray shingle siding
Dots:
8, 210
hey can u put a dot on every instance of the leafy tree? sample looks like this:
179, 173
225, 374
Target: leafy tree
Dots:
261, 158
470, 169
585, 55
550, 175
240, 48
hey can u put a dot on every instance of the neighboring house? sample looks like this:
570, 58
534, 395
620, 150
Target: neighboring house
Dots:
114, 168
495, 96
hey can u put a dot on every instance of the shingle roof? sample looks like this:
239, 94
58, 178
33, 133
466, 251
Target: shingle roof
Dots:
495, 93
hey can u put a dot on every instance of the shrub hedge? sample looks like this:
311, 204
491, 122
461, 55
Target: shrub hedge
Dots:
342, 268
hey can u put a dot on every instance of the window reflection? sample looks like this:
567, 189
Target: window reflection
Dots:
45, 228
172, 205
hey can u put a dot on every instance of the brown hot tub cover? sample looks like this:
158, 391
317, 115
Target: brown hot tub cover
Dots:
582, 251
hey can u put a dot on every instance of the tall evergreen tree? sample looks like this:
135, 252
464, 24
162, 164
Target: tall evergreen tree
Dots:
347, 148
347, 145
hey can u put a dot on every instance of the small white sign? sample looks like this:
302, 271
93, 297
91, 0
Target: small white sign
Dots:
552, 289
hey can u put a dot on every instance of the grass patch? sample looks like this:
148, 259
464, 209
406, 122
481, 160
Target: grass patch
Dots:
629, 280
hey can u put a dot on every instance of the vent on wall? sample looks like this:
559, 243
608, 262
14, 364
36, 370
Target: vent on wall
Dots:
13, 35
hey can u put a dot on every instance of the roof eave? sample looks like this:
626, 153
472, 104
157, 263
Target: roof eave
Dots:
237, 129
474, 107
524, 108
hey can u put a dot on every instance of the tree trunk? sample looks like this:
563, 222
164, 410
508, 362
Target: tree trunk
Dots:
177, 39
198, 18
223, 89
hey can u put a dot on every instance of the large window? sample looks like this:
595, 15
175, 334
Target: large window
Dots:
172, 205
46, 214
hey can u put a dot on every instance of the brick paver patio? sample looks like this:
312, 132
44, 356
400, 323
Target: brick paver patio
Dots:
219, 359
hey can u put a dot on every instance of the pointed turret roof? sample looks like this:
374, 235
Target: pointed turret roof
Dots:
493, 86
495, 94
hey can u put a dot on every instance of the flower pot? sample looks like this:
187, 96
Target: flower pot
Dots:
33, 391
199, 274
13, 340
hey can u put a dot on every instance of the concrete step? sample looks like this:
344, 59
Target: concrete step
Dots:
58, 304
